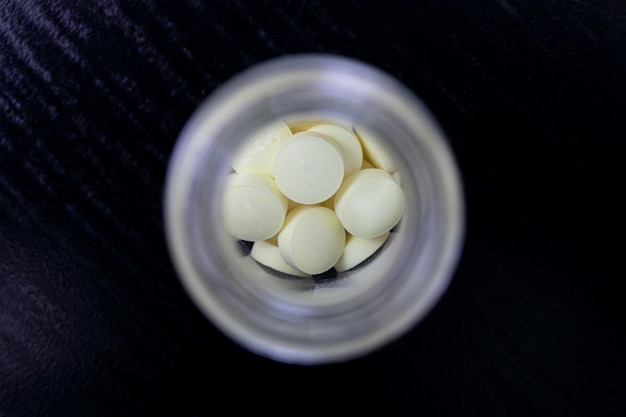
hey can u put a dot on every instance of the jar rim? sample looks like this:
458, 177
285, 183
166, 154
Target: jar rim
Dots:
215, 115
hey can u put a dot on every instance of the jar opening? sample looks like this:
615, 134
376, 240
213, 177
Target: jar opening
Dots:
329, 316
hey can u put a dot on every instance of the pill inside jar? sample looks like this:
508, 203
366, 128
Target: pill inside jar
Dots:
328, 193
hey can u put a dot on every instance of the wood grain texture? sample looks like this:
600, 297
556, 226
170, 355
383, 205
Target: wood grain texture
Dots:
93, 95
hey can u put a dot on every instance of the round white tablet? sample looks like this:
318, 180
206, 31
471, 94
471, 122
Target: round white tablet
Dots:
268, 254
308, 168
369, 203
374, 149
348, 144
254, 209
258, 153
358, 249
312, 239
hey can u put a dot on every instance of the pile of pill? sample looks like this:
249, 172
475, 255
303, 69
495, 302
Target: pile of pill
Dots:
312, 195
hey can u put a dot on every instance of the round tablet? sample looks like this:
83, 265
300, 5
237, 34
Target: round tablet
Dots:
358, 249
369, 203
258, 152
348, 144
312, 239
374, 149
268, 254
308, 168
253, 207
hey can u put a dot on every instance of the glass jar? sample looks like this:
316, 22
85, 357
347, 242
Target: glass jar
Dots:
319, 319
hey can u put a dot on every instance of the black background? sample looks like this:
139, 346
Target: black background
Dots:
93, 321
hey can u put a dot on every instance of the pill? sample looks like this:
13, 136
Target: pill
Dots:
347, 142
267, 253
369, 203
374, 149
358, 249
259, 151
308, 168
312, 239
253, 207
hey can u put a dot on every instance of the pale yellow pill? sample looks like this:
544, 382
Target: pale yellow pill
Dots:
374, 149
358, 249
312, 239
253, 207
258, 153
308, 168
369, 203
267, 253
348, 144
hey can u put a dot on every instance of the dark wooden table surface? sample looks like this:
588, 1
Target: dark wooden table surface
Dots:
93, 321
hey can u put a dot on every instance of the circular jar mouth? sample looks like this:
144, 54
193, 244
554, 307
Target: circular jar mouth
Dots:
318, 319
